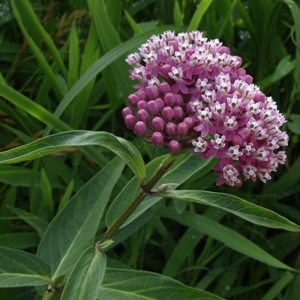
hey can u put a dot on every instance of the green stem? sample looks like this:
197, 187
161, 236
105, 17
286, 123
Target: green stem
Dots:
145, 190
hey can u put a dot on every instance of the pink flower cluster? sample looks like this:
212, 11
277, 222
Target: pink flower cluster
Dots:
193, 93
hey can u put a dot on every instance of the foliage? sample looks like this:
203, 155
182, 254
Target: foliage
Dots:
76, 222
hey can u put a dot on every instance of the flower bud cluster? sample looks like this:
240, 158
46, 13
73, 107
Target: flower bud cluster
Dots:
193, 93
161, 117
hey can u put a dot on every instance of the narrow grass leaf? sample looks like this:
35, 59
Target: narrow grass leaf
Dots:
73, 229
19, 240
286, 180
109, 39
197, 17
246, 210
247, 20
38, 55
89, 57
35, 25
101, 64
20, 268
177, 14
39, 224
66, 196
73, 57
9, 199
47, 193
229, 237
136, 285
86, 277
188, 241
32, 108
135, 27
277, 287
21, 177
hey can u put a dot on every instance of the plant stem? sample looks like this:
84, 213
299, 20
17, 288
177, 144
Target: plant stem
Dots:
145, 190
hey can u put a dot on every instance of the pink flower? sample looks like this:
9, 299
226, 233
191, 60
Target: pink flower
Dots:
191, 92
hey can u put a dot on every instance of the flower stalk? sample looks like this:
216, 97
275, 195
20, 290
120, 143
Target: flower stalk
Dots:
145, 190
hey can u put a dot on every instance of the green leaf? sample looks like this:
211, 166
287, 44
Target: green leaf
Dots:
66, 196
18, 176
73, 229
237, 206
177, 14
63, 140
109, 39
39, 224
97, 68
19, 240
135, 27
18, 268
183, 169
197, 17
73, 57
38, 54
86, 277
229, 237
9, 199
277, 287
35, 25
286, 180
136, 285
295, 124
47, 193
32, 108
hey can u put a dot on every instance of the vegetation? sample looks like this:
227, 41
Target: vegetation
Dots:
89, 211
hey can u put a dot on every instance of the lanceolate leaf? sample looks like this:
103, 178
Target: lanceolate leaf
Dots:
229, 237
136, 285
182, 170
86, 277
63, 140
18, 268
244, 209
73, 229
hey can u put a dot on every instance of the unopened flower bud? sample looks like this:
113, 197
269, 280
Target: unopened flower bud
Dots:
224, 50
168, 113
259, 97
189, 122
174, 146
182, 129
166, 69
178, 100
152, 107
133, 99
152, 92
170, 128
189, 109
169, 99
130, 121
127, 111
157, 138
178, 112
160, 103
140, 128
164, 88
142, 95
158, 124
142, 104
248, 79
143, 115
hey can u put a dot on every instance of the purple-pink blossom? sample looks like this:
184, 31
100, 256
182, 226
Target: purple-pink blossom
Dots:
192, 92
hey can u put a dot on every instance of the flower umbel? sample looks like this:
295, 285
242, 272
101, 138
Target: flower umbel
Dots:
193, 93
